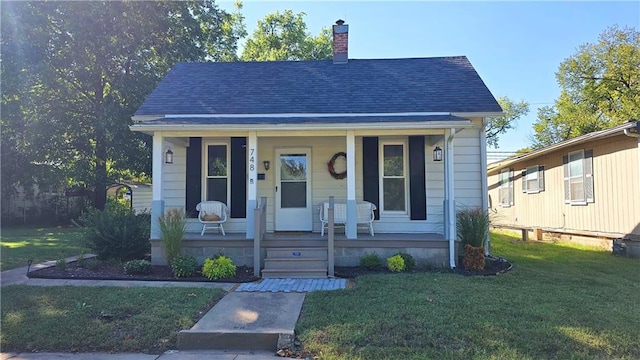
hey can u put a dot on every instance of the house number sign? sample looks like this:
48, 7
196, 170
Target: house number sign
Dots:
252, 166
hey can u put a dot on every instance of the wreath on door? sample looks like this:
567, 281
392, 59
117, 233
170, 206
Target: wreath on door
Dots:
331, 166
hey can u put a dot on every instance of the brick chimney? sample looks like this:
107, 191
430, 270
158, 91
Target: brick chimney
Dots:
340, 42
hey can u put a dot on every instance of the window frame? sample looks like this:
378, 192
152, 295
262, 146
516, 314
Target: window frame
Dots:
506, 185
535, 174
205, 168
405, 176
586, 177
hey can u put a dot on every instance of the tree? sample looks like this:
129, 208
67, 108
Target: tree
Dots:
76, 71
284, 36
600, 88
500, 124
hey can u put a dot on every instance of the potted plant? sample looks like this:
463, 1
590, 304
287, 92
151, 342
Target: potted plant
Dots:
472, 225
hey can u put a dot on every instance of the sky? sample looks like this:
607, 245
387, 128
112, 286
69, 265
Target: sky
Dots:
516, 47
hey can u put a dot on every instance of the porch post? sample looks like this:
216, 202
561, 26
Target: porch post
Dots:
450, 205
352, 213
252, 190
157, 203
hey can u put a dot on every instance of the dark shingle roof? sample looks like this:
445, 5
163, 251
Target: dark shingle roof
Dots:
442, 84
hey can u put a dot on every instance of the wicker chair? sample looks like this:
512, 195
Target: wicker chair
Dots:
212, 214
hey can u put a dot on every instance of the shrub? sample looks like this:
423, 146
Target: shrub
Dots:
184, 266
137, 267
472, 226
396, 263
409, 261
61, 264
474, 258
220, 267
173, 226
371, 261
117, 232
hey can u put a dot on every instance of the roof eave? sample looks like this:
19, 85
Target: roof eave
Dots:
498, 165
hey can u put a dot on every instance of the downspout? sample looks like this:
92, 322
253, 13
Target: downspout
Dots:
451, 216
483, 180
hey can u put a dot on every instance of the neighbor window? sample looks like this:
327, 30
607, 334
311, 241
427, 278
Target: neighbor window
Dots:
506, 188
578, 177
533, 179
394, 178
216, 185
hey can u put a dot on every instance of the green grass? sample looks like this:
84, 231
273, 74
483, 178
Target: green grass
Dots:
18, 245
558, 302
90, 319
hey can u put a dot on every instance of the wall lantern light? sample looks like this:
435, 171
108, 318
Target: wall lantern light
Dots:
267, 164
168, 157
437, 154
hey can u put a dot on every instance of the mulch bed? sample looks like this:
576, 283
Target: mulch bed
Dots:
110, 271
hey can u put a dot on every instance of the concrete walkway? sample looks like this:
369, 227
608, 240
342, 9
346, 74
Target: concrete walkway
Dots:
259, 318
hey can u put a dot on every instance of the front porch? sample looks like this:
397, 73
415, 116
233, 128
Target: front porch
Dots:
429, 249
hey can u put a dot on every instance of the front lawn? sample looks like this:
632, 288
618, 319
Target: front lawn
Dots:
19, 245
90, 319
559, 302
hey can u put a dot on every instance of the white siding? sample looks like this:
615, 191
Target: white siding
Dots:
467, 179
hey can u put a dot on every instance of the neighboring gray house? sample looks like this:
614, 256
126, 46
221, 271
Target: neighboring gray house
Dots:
582, 190
235, 130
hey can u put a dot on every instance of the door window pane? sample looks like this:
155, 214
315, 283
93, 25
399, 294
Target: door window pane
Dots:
294, 194
293, 167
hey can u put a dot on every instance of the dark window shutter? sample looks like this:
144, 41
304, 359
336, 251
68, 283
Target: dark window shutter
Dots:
567, 187
588, 176
370, 172
417, 189
238, 177
193, 179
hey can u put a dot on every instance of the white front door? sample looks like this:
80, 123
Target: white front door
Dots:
294, 211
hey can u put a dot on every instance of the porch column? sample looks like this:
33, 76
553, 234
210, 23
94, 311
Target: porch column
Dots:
252, 183
157, 203
352, 213
450, 205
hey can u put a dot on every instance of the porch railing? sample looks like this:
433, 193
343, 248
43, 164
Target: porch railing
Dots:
330, 236
260, 228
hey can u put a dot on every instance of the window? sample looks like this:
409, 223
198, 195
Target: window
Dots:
394, 178
578, 177
216, 185
533, 179
506, 188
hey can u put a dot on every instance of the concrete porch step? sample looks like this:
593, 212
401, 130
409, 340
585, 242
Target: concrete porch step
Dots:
246, 321
300, 273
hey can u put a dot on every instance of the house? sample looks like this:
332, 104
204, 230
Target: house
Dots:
136, 194
583, 189
241, 132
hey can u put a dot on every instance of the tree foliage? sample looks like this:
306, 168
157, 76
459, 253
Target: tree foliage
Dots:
284, 36
73, 73
600, 88
498, 125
